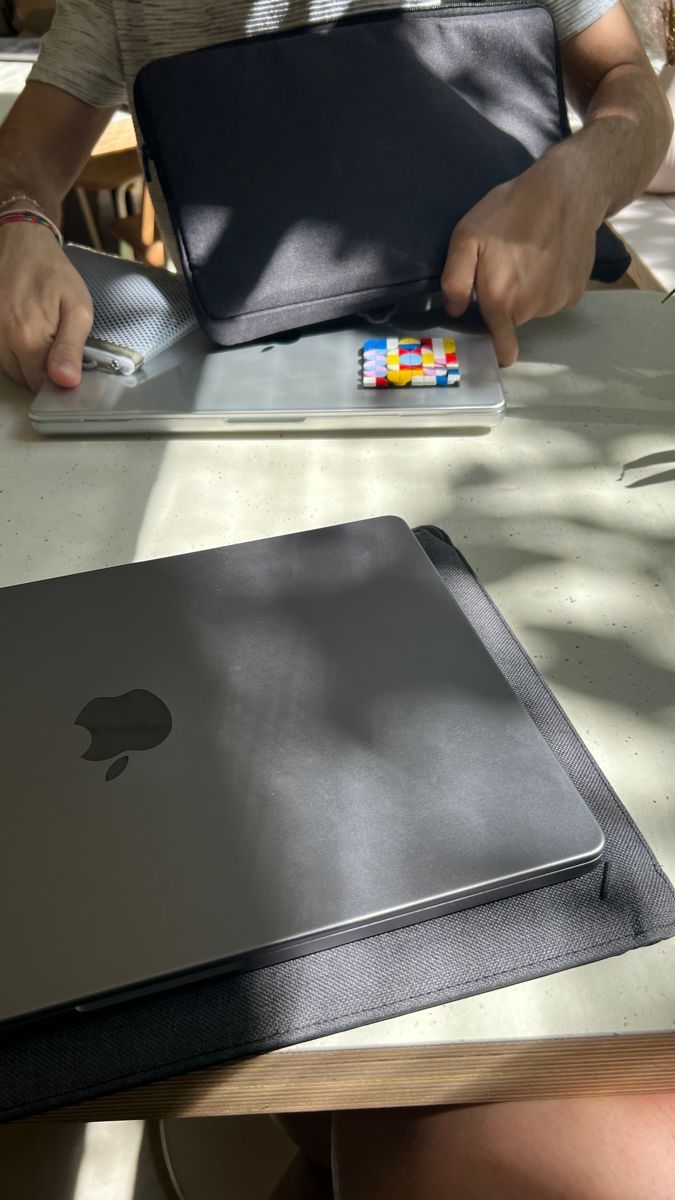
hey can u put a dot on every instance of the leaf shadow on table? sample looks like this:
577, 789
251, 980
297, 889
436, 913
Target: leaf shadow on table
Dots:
567, 529
650, 460
507, 560
608, 667
661, 477
588, 416
618, 665
607, 359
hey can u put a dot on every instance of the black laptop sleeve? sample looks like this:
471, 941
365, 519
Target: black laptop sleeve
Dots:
625, 902
319, 172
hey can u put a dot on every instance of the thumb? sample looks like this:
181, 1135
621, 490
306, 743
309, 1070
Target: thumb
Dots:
459, 273
64, 361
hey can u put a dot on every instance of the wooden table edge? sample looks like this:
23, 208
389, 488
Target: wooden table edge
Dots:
392, 1076
118, 135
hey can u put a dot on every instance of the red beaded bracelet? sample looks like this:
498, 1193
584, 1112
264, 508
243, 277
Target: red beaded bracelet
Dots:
32, 218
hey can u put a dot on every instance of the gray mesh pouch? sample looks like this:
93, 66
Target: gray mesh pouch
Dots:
138, 310
626, 902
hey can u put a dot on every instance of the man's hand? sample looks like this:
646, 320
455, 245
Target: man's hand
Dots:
527, 249
46, 314
45, 309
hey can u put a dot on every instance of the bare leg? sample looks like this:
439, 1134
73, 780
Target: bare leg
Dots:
605, 1148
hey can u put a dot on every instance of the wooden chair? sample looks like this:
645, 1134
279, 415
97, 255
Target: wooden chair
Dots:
114, 166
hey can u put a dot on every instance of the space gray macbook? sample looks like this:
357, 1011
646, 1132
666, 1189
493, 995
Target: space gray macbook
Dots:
233, 757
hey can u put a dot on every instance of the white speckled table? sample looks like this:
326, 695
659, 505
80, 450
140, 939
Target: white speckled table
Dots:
13, 76
567, 512
647, 226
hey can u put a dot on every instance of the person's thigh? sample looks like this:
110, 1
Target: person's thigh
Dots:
606, 1148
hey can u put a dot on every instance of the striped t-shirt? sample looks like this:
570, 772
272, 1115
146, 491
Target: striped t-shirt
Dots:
95, 48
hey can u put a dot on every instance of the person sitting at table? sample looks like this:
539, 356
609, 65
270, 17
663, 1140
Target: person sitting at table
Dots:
527, 248
591, 1148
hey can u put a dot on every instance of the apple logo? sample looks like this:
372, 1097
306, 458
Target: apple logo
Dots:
137, 720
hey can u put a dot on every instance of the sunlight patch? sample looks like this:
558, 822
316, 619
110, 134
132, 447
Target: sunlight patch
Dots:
259, 16
109, 1163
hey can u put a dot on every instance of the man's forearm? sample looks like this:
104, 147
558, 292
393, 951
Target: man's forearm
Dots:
44, 143
628, 125
527, 249
23, 178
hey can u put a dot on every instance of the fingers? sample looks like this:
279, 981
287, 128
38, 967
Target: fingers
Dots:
459, 273
524, 250
33, 368
26, 353
502, 329
10, 365
46, 312
64, 361
459, 278
32, 349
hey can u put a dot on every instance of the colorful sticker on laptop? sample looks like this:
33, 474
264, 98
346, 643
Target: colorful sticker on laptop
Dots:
409, 362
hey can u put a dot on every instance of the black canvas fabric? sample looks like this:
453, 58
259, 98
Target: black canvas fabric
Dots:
625, 902
319, 172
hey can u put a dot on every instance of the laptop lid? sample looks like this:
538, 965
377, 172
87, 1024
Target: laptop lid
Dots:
236, 756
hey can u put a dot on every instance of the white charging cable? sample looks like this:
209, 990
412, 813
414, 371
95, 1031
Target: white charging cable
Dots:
178, 1191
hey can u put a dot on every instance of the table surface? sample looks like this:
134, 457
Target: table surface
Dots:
566, 512
648, 227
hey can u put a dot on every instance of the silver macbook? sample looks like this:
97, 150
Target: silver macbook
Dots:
234, 757
306, 381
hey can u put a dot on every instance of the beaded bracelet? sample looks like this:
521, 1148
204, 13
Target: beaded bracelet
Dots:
26, 202
32, 218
